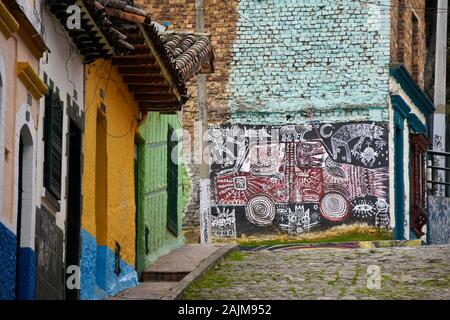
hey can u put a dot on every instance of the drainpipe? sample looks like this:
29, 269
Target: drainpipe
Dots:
202, 102
440, 117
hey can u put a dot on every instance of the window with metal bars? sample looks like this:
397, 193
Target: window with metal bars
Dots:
172, 185
53, 133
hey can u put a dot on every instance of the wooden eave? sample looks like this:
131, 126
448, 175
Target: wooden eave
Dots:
147, 75
90, 40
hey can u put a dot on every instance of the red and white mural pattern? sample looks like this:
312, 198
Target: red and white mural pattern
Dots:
293, 178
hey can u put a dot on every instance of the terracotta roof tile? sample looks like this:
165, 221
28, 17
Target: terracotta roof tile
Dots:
189, 52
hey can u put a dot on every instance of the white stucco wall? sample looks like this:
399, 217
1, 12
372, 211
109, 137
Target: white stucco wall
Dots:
3, 92
407, 181
64, 67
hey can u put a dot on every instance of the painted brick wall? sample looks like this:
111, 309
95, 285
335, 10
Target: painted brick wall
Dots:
291, 56
408, 26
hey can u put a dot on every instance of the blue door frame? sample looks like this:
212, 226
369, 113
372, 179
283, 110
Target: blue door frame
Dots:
401, 112
399, 186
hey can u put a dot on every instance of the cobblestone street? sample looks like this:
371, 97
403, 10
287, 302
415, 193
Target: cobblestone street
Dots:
405, 273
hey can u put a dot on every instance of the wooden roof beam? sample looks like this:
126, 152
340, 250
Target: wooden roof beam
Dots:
145, 88
140, 70
144, 79
163, 67
133, 60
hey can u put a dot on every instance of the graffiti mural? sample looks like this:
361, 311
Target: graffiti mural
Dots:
296, 178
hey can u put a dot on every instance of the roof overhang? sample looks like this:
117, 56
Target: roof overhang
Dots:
155, 65
30, 36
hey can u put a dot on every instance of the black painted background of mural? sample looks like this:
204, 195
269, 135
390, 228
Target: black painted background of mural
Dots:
315, 133
360, 144
49, 256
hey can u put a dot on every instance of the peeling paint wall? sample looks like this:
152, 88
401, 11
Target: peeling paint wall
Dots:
328, 57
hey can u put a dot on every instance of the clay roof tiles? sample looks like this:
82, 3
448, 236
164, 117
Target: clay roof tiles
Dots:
117, 33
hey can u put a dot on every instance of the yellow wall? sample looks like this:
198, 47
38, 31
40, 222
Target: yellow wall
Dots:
115, 202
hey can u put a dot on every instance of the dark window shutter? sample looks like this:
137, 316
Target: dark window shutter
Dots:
172, 186
53, 143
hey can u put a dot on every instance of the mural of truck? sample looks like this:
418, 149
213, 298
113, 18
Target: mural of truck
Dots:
306, 177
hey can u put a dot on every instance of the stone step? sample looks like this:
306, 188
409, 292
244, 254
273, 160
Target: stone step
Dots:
149, 276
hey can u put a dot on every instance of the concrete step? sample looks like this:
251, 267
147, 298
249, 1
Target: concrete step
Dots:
179, 263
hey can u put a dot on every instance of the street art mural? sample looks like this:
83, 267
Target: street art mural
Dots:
296, 178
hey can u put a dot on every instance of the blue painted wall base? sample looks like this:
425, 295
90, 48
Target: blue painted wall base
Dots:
27, 268
98, 279
27, 274
7, 263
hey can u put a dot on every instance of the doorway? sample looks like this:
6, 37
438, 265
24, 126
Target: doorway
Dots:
172, 183
101, 198
399, 186
25, 280
73, 226
136, 201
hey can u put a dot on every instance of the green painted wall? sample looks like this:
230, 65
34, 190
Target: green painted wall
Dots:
152, 191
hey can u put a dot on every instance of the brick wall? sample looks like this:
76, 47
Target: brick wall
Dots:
408, 26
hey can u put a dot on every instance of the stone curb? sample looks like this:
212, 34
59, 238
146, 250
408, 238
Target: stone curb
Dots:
178, 291
375, 244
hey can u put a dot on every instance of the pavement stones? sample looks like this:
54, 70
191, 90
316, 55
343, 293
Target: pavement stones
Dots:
383, 273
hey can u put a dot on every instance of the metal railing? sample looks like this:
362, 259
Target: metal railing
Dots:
439, 164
